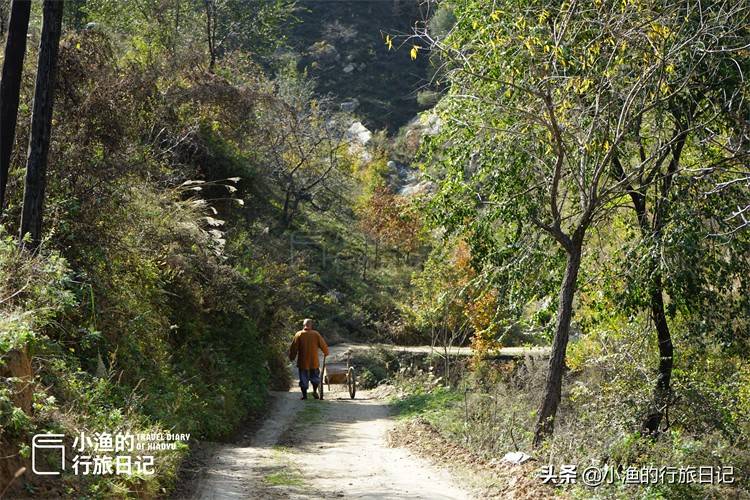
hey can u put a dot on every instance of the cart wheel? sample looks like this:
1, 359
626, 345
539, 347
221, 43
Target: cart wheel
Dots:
351, 382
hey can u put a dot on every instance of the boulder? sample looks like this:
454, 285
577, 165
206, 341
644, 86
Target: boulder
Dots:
323, 52
418, 188
431, 124
349, 68
358, 134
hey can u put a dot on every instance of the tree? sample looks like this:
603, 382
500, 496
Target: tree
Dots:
304, 144
701, 81
390, 219
10, 86
41, 123
541, 98
166, 25
186, 28
254, 25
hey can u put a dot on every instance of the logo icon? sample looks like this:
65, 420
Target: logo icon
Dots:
47, 442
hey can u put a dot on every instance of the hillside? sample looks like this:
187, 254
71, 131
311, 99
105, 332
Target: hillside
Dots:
342, 48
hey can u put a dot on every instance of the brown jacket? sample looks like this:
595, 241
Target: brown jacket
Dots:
305, 348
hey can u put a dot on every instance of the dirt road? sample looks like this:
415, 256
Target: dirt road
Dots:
505, 352
324, 449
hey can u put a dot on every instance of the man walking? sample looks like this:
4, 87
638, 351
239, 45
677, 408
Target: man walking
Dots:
305, 348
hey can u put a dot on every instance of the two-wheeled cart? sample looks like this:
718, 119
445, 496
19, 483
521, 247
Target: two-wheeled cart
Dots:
338, 373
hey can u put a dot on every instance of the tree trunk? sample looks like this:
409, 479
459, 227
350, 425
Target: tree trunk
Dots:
553, 385
10, 86
662, 390
652, 229
41, 122
16, 363
284, 222
211, 33
364, 262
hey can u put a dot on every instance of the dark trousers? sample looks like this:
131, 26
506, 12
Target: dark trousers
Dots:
307, 376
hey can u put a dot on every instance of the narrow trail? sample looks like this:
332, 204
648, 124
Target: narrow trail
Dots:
324, 449
505, 352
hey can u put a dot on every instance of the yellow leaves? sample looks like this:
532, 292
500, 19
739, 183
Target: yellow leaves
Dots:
669, 69
543, 16
480, 313
389, 42
564, 112
659, 31
579, 85
475, 25
495, 16
528, 43
414, 52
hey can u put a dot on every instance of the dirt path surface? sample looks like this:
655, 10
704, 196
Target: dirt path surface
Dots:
324, 449
505, 352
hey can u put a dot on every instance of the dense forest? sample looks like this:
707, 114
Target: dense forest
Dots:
182, 181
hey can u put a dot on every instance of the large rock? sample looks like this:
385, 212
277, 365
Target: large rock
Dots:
418, 188
431, 124
323, 52
358, 134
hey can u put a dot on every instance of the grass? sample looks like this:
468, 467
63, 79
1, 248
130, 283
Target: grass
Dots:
312, 413
429, 405
285, 477
285, 474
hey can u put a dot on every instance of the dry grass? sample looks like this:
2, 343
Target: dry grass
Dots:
488, 478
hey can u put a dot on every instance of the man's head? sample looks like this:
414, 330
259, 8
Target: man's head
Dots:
307, 324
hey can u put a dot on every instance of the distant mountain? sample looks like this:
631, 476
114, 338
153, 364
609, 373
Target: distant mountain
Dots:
342, 45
